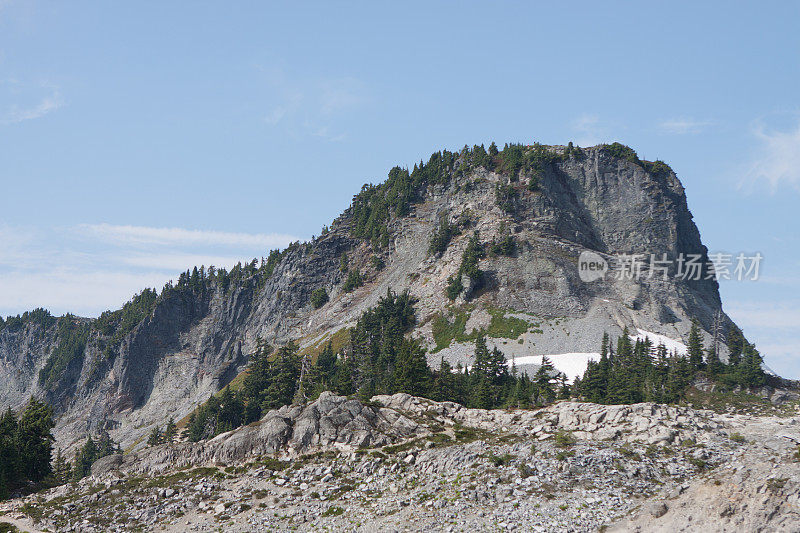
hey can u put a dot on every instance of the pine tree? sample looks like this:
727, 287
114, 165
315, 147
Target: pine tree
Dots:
155, 437
325, 370
255, 382
482, 395
231, 411
84, 459
412, 369
34, 440
62, 472
714, 366
106, 445
750, 371
170, 431
543, 382
444, 385
695, 346
283, 382
564, 391
735, 340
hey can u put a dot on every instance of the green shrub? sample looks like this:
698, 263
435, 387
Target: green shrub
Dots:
564, 439
500, 460
525, 470
377, 263
506, 197
333, 511
657, 167
454, 287
442, 236
621, 151
319, 297
698, 463
506, 246
353, 281
562, 455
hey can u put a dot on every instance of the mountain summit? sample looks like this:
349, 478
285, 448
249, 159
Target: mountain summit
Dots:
485, 241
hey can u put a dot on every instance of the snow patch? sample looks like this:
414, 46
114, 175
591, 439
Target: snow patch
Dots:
571, 364
671, 344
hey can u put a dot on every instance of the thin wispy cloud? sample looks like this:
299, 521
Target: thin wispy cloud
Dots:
767, 315
777, 160
312, 107
176, 262
179, 236
684, 126
590, 131
89, 268
340, 94
773, 325
81, 292
48, 103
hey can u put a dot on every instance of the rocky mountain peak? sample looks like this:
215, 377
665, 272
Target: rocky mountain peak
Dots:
530, 210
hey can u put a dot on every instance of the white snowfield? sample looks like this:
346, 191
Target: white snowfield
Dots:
574, 364
671, 344
571, 364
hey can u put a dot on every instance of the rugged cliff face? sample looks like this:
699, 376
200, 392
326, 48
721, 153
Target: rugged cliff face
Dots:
533, 302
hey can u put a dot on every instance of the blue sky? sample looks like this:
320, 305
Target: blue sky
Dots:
143, 137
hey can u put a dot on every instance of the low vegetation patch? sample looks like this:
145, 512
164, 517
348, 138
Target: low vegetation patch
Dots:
500, 460
564, 439
333, 511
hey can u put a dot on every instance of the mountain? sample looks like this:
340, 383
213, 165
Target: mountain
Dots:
535, 209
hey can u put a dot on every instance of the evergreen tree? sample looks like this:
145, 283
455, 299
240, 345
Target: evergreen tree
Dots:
481, 376
714, 366
62, 472
750, 372
254, 384
319, 297
231, 411
170, 431
412, 369
442, 236
285, 375
35, 443
735, 340
9, 459
695, 346
325, 370
454, 287
155, 437
105, 444
444, 385
564, 391
84, 459
543, 382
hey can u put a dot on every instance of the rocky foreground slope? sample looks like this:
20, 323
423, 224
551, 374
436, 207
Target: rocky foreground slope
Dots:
195, 338
405, 463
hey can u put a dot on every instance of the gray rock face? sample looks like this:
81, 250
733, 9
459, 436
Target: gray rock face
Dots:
330, 422
193, 344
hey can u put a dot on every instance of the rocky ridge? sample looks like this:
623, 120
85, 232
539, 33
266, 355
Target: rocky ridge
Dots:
406, 463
